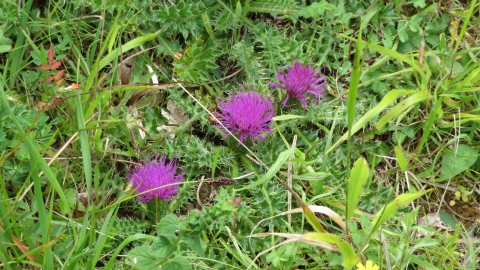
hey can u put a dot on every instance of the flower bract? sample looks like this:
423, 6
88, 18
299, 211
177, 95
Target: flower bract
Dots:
153, 175
299, 81
247, 114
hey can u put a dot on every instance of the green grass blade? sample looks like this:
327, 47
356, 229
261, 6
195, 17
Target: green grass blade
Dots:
282, 158
32, 150
312, 218
102, 238
363, 121
402, 161
43, 218
355, 186
345, 249
401, 107
86, 156
126, 47
429, 124
387, 211
391, 53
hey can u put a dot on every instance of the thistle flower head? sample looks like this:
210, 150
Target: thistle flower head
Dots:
247, 114
299, 81
152, 174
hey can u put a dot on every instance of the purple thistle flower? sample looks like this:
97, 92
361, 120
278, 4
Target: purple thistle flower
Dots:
153, 174
299, 82
246, 113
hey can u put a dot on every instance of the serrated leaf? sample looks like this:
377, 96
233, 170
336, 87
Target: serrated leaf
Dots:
419, 3
433, 40
413, 25
315, 10
197, 61
402, 31
387, 37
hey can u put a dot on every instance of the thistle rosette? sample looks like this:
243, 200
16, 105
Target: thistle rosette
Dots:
299, 81
153, 175
247, 114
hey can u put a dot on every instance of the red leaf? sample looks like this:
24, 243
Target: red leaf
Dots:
59, 74
44, 67
50, 55
59, 82
49, 79
55, 102
56, 65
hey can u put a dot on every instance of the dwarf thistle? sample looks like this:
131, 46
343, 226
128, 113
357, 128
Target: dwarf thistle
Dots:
247, 114
151, 176
299, 81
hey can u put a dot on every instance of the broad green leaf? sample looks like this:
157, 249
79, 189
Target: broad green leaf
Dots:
195, 244
457, 161
282, 158
142, 258
177, 263
448, 219
389, 98
387, 211
168, 224
345, 249
358, 178
402, 107
125, 242
5, 43
402, 161
164, 246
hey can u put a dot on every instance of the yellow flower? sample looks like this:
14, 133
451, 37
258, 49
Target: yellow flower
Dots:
368, 266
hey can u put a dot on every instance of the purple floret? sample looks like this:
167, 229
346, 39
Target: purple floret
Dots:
299, 81
153, 174
247, 114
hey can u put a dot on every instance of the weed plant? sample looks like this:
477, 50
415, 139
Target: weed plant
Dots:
264, 134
